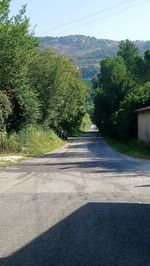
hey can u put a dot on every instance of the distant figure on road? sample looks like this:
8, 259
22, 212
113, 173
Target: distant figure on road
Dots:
64, 134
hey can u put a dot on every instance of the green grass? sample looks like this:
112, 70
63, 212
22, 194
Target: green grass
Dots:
131, 148
31, 141
4, 164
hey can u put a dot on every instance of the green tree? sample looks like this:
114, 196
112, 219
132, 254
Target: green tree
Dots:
4, 10
147, 65
122, 91
102, 111
112, 77
16, 51
133, 60
26, 108
112, 84
60, 89
129, 51
125, 119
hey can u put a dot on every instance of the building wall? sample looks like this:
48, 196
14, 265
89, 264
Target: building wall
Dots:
144, 126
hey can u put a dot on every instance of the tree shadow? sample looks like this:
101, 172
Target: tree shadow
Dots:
75, 162
105, 234
143, 186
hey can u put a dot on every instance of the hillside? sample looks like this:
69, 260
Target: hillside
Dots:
86, 51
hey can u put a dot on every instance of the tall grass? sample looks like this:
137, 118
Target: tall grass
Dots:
31, 140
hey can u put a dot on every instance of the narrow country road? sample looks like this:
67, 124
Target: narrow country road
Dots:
83, 204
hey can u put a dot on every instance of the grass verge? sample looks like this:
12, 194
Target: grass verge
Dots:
10, 162
131, 148
31, 141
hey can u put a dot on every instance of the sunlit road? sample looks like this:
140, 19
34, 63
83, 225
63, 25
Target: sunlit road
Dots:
83, 204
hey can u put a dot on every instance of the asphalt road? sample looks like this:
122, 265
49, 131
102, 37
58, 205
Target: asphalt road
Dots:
83, 204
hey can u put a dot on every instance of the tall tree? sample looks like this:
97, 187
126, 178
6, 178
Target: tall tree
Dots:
16, 51
129, 51
4, 10
112, 79
147, 65
122, 91
59, 86
112, 84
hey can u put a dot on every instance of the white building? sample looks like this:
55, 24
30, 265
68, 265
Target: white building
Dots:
144, 124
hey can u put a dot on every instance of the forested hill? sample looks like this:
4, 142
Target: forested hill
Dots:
86, 51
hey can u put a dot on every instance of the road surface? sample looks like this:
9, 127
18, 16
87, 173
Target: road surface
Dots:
83, 204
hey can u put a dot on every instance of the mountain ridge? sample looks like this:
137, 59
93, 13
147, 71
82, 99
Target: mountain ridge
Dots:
86, 51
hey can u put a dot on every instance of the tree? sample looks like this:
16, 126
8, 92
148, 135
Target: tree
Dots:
112, 84
112, 76
125, 119
102, 111
26, 108
41, 87
147, 65
129, 51
4, 10
60, 90
121, 91
16, 51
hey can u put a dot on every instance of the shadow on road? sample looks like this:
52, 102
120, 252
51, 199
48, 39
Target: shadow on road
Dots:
104, 234
143, 186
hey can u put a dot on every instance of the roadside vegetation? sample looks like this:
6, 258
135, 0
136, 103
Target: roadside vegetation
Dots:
30, 141
131, 148
122, 87
86, 123
41, 92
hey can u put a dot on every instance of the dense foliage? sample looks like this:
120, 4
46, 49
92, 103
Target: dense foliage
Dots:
60, 90
36, 88
16, 51
122, 87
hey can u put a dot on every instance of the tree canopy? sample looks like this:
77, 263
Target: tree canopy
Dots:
35, 87
61, 92
120, 89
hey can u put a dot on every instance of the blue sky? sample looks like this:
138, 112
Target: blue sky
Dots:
124, 19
